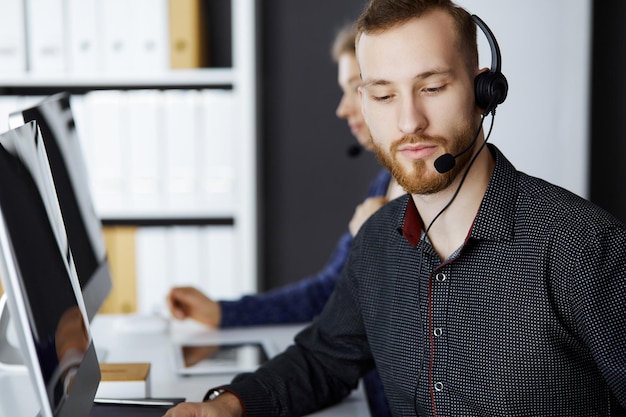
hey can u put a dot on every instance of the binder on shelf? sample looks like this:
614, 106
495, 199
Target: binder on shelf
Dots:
12, 37
108, 124
83, 41
220, 278
145, 148
150, 39
153, 270
45, 36
186, 255
216, 146
115, 32
121, 245
82, 117
199, 256
188, 46
180, 150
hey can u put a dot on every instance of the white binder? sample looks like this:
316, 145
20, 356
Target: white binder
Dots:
45, 36
83, 42
12, 37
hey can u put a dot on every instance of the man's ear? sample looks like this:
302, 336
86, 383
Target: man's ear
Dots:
480, 71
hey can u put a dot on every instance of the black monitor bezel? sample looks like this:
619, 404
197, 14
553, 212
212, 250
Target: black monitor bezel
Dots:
55, 120
26, 147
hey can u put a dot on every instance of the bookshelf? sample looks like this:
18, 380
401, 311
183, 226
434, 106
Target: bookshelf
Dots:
181, 78
206, 225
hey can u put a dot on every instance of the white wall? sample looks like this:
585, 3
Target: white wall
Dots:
542, 127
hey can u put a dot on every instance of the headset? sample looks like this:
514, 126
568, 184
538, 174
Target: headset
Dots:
490, 87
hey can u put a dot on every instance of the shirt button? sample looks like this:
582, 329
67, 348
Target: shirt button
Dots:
440, 277
438, 331
438, 386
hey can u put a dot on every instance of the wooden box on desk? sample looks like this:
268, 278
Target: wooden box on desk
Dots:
124, 380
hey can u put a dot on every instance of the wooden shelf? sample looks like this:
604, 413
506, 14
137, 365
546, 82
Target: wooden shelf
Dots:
173, 78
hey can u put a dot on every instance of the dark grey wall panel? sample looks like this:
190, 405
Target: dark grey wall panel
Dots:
310, 186
608, 124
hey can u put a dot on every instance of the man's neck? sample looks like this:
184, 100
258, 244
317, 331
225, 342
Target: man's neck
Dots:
447, 231
394, 190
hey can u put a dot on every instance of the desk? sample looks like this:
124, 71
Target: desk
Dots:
154, 347
17, 395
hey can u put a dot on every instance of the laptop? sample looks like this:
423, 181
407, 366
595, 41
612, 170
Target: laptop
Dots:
43, 294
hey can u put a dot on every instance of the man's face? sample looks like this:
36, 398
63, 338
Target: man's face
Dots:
418, 100
349, 108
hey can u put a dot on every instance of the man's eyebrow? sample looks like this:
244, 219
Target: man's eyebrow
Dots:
421, 76
374, 82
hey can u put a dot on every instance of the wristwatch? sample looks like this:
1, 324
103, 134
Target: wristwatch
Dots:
214, 393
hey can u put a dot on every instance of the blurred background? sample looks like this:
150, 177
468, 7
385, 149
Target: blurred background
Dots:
563, 119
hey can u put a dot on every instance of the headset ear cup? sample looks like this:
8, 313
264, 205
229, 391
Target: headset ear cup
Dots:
490, 90
481, 91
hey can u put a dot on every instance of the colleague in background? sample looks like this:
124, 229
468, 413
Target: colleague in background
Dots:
483, 292
304, 300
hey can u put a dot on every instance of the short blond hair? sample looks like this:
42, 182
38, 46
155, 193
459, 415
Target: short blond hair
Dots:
344, 41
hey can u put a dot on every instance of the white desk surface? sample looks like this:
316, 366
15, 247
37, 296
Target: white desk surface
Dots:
154, 347
118, 344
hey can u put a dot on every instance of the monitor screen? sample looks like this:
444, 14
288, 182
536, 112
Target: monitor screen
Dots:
39, 277
84, 229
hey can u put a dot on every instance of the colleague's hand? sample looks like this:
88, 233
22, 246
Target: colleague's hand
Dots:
226, 405
193, 355
363, 211
71, 334
189, 302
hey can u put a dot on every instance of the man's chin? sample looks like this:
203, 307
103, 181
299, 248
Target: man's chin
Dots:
423, 183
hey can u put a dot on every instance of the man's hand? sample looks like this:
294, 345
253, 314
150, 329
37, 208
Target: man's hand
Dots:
226, 405
189, 302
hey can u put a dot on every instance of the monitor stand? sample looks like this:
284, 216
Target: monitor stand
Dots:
10, 354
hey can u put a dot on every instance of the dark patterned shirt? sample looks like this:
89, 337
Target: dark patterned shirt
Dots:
527, 318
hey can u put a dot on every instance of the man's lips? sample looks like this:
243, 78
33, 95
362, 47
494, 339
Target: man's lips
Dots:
355, 128
417, 150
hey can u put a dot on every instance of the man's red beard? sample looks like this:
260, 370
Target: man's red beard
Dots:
423, 178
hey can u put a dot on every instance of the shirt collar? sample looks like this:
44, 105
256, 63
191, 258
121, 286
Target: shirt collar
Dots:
496, 214
412, 226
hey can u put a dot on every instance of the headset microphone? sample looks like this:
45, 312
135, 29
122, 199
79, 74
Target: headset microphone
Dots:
490, 89
354, 150
447, 161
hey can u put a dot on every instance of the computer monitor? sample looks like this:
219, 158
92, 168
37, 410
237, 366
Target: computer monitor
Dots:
39, 277
84, 228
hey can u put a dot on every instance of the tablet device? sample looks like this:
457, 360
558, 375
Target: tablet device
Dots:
219, 357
